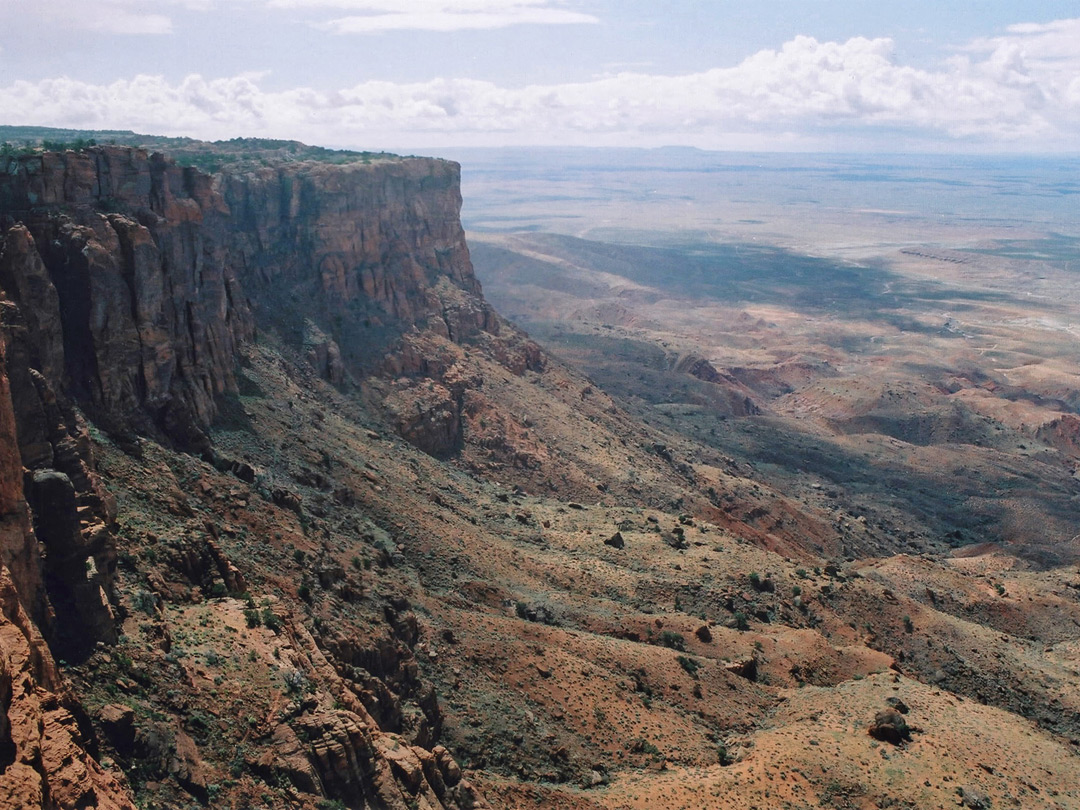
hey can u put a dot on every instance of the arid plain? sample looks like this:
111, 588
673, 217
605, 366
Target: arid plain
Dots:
887, 350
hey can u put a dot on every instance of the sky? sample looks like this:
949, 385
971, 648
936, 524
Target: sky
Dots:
982, 76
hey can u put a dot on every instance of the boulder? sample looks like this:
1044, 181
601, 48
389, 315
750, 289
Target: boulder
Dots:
890, 726
616, 541
974, 799
118, 723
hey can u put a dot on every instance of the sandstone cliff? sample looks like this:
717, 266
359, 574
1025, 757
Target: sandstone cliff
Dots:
121, 259
334, 240
129, 285
140, 279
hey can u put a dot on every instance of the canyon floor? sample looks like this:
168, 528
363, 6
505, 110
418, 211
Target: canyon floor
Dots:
893, 385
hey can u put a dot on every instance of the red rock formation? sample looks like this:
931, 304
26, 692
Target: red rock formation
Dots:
134, 270
384, 233
151, 310
18, 548
44, 763
1062, 433
121, 295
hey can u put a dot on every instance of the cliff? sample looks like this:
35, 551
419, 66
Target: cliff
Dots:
123, 260
129, 287
333, 240
143, 277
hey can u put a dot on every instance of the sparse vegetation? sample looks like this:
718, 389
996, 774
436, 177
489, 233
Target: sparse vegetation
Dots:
585, 689
270, 620
763, 584
672, 640
689, 665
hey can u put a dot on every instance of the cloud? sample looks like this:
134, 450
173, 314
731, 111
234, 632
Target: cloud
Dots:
423, 6
368, 17
1020, 90
440, 15
453, 21
103, 16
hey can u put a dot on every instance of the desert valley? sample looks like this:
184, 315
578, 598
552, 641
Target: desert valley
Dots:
561, 478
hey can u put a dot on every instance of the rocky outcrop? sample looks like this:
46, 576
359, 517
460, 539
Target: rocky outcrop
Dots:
44, 759
1062, 433
77, 591
124, 300
125, 257
124, 277
890, 726
361, 240
136, 276
730, 395
72, 513
45, 754
18, 547
345, 758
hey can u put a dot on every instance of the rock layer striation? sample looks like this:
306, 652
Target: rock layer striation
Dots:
128, 285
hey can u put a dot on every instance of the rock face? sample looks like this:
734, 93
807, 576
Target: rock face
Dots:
366, 266
44, 761
72, 515
121, 262
133, 277
124, 295
18, 547
367, 240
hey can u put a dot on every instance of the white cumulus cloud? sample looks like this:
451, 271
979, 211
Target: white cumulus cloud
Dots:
440, 15
453, 21
1020, 90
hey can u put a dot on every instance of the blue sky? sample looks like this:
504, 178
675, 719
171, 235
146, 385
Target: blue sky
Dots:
826, 75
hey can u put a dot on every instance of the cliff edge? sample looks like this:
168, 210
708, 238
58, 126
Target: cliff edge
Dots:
128, 288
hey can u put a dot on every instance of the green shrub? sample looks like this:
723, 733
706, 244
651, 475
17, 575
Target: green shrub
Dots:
145, 601
673, 640
270, 620
760, 584
690, 665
